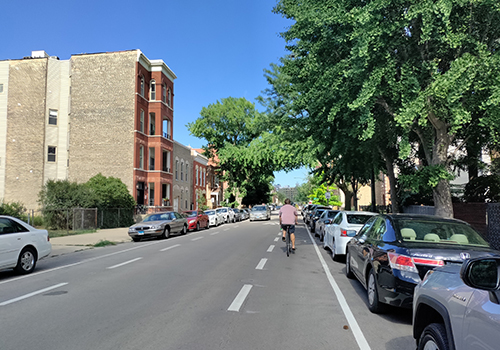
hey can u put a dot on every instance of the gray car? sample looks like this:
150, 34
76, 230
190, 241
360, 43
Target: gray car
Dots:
160, 225
260, 212
458, 307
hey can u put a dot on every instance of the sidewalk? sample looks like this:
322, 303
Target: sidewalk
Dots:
73, 243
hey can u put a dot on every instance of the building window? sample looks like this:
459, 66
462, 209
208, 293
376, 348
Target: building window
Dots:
151, 193
51, 154
164, 93
141, 157
151, 123
166, 161
177, 169
1, 88
142, 86
166, 128
204, 177
141, 122
151, 158
52, 117
182, 171
169, 98
152, 90
187, 172
197, 175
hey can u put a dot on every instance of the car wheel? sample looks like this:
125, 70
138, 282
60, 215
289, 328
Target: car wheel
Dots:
136, 239
184, 230
26, 262
197, 226
166, 233
208, 225
433, 338
348, 271
335, 256
374, 305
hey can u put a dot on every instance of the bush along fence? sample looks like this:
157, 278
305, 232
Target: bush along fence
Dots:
80, 219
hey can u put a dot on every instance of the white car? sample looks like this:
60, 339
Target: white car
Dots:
214, 217
345, 225
21, 245
227, 213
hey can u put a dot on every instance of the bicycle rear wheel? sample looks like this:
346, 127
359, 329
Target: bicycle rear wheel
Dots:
288, 245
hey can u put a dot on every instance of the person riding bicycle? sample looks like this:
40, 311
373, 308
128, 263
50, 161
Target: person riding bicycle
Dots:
288, 218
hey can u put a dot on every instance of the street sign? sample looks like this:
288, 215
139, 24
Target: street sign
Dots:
328, 195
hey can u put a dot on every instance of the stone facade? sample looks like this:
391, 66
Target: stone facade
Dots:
183, 179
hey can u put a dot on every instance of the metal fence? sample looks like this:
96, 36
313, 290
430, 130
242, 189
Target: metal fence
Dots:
493, 213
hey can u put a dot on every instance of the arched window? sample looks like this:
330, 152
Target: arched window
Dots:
182, 171
187, 172
177, 169
152, 90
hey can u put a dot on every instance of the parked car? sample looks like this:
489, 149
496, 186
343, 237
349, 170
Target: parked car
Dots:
393, 252
324, 220
196, 219
345, 225
458, 307
215, 219
226, 213
314, 216
245, 213
21, 245
260, 212
160, 225
306, 209
236, 214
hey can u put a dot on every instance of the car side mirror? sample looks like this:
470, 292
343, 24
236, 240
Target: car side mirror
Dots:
481, 273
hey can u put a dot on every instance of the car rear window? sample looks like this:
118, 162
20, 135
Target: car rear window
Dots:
357, 219
210, 212
191, 214
259, 208
433, 231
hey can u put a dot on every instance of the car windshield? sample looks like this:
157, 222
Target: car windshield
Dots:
210, 212
332, 214
434, 231
158, 217
191, 214
358, 219
259, 208
236, 210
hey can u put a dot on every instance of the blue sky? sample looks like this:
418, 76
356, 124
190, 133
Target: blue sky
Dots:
216, 48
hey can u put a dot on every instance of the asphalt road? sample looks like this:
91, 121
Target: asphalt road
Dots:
230, 287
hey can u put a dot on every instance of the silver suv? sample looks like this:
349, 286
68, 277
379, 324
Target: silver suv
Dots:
458, 307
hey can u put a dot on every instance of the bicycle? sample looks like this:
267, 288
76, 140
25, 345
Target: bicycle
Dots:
288, 241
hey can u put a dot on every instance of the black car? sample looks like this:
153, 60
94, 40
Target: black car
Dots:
392, 253
312, 213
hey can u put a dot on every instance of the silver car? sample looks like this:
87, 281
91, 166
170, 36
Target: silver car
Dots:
458, 306
214, 217
160, 225
260, 212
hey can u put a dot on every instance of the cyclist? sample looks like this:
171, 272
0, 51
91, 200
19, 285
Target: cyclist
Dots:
288, 217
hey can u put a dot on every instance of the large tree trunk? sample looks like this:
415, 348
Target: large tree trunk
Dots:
347, 193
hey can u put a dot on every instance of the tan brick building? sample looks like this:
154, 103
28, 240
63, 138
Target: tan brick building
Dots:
109, 113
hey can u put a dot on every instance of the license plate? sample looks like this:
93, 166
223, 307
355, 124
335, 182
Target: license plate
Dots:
140, 232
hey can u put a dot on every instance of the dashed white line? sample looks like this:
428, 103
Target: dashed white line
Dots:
168, 248
32, 294
226, 229
270, 249
124, 263
240, 298
276, 239
214, 233
195, 239
261, 264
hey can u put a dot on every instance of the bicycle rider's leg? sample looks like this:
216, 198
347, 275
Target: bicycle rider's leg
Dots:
292, 237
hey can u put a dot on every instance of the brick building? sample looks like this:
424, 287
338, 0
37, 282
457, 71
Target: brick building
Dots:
200, 185
109, 113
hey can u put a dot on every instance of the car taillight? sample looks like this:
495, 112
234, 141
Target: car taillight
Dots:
407, 263
346, 233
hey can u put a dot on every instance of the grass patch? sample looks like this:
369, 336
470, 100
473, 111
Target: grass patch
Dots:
103, 243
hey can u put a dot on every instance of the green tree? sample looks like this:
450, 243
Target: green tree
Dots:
392, 72
109, 192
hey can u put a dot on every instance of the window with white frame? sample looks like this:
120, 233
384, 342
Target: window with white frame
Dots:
141, 121
182, 171
177, 169
151, 123
204, 177
187, 172
142, 87
51, 153
169, 98
151, 193
152, 90
166, 128
141, 157
197, 175
164, 93
52, 116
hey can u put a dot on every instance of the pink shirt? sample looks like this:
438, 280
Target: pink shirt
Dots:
288, 214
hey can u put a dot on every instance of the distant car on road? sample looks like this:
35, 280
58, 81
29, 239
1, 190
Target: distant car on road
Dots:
226, 213
458, 307
160, 225
21, 245
392, 253
196, 219
260, 212
237, 214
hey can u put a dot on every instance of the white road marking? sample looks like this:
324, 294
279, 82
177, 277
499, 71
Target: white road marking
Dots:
240, 298
32, 294
168, 248
270, 249
261, 264
195, 239
353, 324
124, 263
226, 229
214, 233
277, 239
